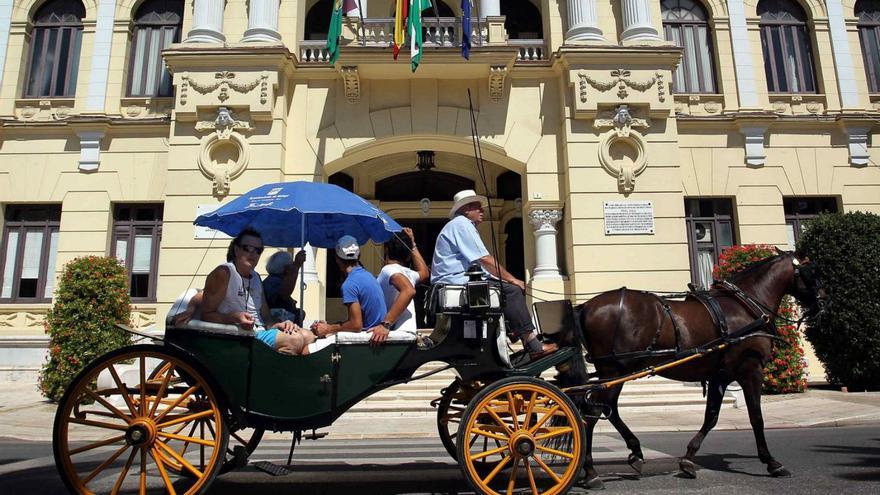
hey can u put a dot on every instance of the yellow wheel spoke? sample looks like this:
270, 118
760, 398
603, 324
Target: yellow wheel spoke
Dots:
104, 402
554, 452
554, 433
477, 431
162, 387
511, 484
176, 402
529, 410
499, 420
547, 469
142, 482
181, 460
182, 438
98, 424
121, 478
487, 453
104, 464
158, 460
544, 419
123, 391
495, 471
95, 445
531, 477
511, 406
190, 417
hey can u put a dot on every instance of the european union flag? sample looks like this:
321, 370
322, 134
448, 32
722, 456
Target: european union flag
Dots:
466, 29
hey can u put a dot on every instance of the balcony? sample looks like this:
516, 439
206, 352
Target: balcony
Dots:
442, 33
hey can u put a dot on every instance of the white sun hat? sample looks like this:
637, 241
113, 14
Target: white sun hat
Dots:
347, 248
462, 198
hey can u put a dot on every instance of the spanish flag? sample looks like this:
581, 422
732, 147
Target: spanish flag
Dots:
400, 11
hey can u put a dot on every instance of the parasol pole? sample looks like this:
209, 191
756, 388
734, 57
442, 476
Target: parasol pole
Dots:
302, 268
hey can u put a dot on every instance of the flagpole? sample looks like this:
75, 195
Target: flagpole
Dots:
363, 28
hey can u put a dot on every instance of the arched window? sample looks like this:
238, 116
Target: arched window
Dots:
509, 185
413, 186
685, 22
318, 20
868, 12
157, 24
523, 20
54, 51
785, 40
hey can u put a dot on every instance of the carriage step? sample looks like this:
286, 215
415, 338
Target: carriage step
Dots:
273, 469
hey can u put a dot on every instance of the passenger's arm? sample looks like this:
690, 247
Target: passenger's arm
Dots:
406, 294
215, 291
418, 260
354, 323
499, 271
290, 275
192, 306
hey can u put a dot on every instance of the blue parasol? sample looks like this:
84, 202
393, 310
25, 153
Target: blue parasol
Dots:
291, 214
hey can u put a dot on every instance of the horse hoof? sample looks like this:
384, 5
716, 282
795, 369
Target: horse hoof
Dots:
688, 468
636, 463
594, 483
779, 472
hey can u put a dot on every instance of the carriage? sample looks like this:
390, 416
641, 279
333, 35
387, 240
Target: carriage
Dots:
174, 414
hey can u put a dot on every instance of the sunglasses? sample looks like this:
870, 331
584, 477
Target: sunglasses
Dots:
251, 249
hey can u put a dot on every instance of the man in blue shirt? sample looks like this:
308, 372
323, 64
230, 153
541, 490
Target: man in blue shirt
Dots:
459, 244
361, 293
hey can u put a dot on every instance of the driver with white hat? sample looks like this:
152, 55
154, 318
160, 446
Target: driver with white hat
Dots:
459, 245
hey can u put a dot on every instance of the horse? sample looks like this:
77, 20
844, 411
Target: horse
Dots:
626, 330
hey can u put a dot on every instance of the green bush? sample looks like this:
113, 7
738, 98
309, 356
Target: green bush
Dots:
91, 298
784, 373
846, 251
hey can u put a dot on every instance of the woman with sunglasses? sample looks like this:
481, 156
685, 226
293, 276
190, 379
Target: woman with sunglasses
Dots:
234, 295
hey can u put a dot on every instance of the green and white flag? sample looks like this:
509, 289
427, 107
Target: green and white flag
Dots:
415, 31
334, 32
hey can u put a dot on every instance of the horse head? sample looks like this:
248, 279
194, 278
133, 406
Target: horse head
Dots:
806, 287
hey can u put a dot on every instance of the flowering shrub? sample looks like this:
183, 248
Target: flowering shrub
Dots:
91, 298
784, 373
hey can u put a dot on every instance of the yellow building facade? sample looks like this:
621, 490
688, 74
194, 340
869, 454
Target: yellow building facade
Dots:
625, 142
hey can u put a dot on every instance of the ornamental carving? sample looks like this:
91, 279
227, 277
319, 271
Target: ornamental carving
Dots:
497, 74
22, 319
352, 83
224, 81
620, 78
545, 219
621, 120
225, 152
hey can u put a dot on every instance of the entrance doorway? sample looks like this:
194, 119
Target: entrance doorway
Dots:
425, 232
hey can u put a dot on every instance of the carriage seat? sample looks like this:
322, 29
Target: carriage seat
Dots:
394, 337
217, 328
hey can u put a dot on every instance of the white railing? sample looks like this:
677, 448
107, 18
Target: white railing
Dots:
529, 50
314, 52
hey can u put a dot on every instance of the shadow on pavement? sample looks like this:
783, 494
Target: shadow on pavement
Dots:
860, 456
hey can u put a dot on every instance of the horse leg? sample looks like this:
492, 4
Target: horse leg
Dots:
593, 481
751, 380
714, 398
636, 458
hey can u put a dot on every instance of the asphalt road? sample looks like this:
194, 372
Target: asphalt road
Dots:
823, 460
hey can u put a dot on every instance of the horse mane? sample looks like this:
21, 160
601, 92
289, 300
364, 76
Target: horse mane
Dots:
753, 267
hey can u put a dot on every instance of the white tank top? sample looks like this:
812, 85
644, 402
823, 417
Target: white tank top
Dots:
243, 295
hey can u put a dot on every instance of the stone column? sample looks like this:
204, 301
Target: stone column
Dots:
310, 268
637, 25
207, 26
544, 222
742, 55
583, 21
846, 78
262, 22
489, 8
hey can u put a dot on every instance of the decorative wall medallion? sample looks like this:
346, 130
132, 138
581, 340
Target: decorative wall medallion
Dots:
813, 107
224, 81
61, 113
133, 111
225, 153
622, 121
712, 107
621, 80
497, 74
780, 106
27, 113
352, 83
682, 108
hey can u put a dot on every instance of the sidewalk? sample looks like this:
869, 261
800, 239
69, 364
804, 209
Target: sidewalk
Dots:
24, 414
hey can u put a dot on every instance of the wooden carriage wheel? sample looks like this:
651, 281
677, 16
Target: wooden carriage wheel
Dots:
536, 435
119, 429
244, 439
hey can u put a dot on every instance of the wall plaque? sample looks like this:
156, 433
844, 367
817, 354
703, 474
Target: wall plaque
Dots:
207, 232
629, 217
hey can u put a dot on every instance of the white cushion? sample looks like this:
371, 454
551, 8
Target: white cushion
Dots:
396, 336
454, 297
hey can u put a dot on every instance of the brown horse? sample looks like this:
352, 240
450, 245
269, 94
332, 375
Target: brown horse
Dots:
619, 325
